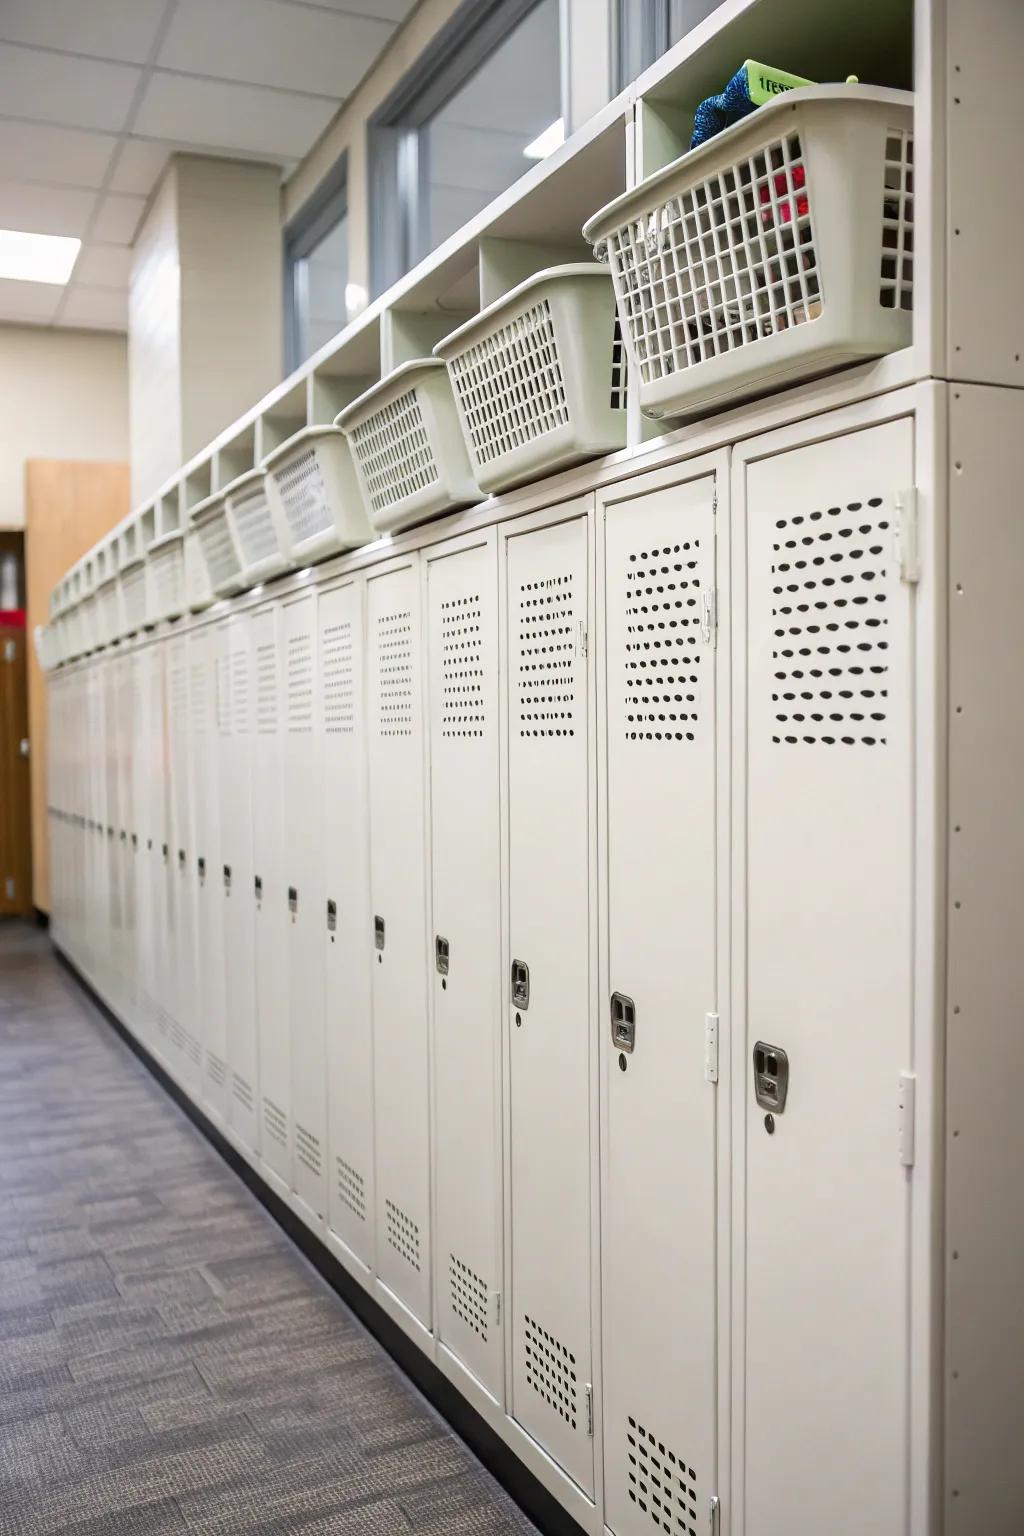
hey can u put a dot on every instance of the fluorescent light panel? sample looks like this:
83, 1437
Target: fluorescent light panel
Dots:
547, 142
27, 258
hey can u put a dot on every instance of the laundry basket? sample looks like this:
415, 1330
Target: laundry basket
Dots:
108, 615
133, 595
408, 449
538, 376
198, 591
88, 625
255, 529
165, 578
209, 519
779, 249
315, 492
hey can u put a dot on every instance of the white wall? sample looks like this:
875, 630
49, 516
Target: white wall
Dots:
63, 395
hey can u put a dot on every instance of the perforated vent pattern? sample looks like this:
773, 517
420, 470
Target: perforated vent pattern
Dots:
660, 1482
663, 636
393, 450
275, 1122
550, 1370
240, 692
546, 684
216, 1070
510, 384
469, 1296
403, 1233
218, 549
303, 495
897, 286
462, 644
394, 673
242, 1091
198, 690
338, 679
254, 525
223, 695
307, 1149
133, 598
351, 1188
830, 626
266, 689
300, 683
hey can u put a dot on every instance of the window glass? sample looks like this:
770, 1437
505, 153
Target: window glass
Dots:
320, 278
648, 28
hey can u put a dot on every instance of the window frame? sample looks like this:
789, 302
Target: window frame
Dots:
322, 211
644, 30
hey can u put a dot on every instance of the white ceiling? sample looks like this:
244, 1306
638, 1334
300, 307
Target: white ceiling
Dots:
96, 94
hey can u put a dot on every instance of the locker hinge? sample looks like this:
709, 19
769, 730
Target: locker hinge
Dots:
711, 1047
709, 616
905, 1103
714, 1514
496, 1308
589, 1392
582, 646
908, 553
714, 502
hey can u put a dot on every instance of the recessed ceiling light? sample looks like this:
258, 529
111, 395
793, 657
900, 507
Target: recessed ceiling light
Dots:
29, 258
547, 142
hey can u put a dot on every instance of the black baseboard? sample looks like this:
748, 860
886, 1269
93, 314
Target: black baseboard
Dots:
42, 919
530, 1494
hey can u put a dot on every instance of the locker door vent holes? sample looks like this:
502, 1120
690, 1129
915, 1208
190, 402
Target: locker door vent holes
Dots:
177, 1035
547, 651
403, 1233
830, 575
223, 698
462, 673
216, 1069
300, 684
307, 1149
339, 694
469, 1296
351, 1188
663, 630
550, 1370
242, 1091
194, 1049
275, 1122
394, 673
179, 693
197, 689
266, 689
660, 1483
240, 692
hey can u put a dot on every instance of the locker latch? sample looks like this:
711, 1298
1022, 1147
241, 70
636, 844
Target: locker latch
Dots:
623, 1022
257, 885
378, 933
293, 899
441, 955
135, 841
124, 836
771, 1076
163, 849
227, 878
332, 915
520, 984
110, 831
181, 858
201, 867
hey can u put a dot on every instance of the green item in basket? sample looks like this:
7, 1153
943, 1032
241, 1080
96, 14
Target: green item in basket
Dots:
765, 83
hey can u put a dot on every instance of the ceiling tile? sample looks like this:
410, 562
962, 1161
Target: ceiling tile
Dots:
107, 29
385, 10
226, 118
264, 43
44, 210
118, 219
31, 303
80, 93
139, 166
95, 307
103, 266
68, 156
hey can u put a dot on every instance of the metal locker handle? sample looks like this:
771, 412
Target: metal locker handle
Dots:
332, 915
293, 899
201, 867
227, 877
378, 933
181, 858
623, 1010
520, 984
771, 1076
442, 955
257, 885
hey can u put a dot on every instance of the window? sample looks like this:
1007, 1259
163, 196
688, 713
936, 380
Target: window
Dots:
456, 132
316, 271
648, 28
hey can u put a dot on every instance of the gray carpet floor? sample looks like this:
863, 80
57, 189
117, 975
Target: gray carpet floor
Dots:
169, 1362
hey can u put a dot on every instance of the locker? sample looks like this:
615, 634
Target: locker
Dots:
462, 637
236, 854
269, 901
206, 709
181, 927
109, 758
550, 798
824, 827
142, 844
126, 822
398, 904
305, 904
346, 919
659, 1135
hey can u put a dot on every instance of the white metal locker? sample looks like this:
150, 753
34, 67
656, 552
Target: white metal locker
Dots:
147, 792
824, 830
551, 1046
126, 824
109, 756
398, 901
658, 1230
162, 872
306, 904
236, 835
348, 954
182, 929
462, 639
269, 891
205, 709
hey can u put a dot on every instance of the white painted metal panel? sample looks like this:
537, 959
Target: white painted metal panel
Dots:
549, 797
182, 955
159, 852
398, 901
241, 1087
125, 667
462, 637
204, 706
347, 924
142, 845
826, 825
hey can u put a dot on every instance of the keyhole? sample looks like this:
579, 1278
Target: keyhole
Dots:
519, 1020
444, 984
623, 1063
769, 1124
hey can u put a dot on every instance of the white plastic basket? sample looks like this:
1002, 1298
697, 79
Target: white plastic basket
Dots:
223, 565
133, 596
539, 377
778, 250
407, 446
165, 578
88, 625
108, 615
45, 638
198, 591
314, 489
255, 528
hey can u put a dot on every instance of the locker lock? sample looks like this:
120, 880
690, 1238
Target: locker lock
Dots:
442, 955
293, 899
201, 867
520, 984
623, 1022
227, 878
771, 1077
257, 885
110, 831
332, 916
135, 841
163, 849
124, 836
378, 933
181, 858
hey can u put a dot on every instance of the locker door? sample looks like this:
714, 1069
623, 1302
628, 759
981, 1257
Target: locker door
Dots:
206, 866
236, 824
826, 827
142, 845
163, 888
109, 756
550, 1030
182, 931
269, 894
348, 954
398, 901
126, 717
462, 599
659, 1136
